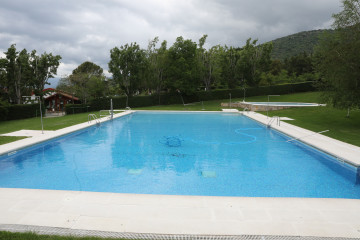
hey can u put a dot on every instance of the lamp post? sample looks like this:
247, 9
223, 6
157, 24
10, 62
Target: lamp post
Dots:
33, 97
230, 100
267, 109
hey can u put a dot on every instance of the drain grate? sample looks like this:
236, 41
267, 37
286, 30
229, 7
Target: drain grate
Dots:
147, 236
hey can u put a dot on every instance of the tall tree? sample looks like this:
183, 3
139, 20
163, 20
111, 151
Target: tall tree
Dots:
127, 64
11, 56
209, 63
157, 64
18, 74
22, 75
255, 59
44, 67
87, 80
338, 60
181, 71
229, 60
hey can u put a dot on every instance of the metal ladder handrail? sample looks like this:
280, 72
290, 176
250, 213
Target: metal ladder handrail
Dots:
94, 117
277, 118
246, 109
102, 115
293, 139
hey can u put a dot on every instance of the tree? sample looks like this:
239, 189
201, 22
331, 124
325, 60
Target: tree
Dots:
127, 64
181, 71
254, 60
299, 64
229, 66
157, 64
209, 63
18, 74
87, 80
43, 67
337, 58
22, 74
3, 80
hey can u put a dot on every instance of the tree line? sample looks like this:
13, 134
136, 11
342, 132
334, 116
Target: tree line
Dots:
187, 66
23, 72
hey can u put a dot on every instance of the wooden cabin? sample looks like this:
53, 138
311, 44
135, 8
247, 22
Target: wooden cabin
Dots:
56, 100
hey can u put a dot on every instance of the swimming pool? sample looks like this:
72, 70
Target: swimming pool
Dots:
210, 154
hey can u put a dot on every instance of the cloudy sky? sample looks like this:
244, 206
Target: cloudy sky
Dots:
86, 30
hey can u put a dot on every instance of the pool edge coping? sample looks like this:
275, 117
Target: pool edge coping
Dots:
336, 148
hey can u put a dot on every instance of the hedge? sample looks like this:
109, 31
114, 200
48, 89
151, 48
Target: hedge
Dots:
20, 111
175, 98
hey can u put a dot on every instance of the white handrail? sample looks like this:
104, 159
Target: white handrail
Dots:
93, 116
277, 118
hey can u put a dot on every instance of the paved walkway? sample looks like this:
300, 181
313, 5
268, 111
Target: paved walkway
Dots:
341, 150
181, 214
184, 214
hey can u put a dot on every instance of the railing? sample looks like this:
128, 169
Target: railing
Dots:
105, 113
93, 117
274, 118
246, 109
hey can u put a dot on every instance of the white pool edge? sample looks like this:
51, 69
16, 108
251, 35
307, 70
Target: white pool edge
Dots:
343, 152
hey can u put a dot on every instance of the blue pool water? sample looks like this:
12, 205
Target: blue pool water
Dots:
210, 154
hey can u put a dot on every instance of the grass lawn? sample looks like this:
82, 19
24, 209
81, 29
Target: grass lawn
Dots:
32, 236
325, 118
53, 123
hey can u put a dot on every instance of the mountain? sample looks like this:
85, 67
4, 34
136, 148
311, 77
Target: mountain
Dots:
53, 82
295, 44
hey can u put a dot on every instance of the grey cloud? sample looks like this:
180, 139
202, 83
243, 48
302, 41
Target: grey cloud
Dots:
87, 29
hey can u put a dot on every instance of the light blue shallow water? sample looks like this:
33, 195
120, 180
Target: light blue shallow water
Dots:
284, 104
208, 154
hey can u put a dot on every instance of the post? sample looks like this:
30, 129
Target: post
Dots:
42, 125
111, 109
244, 95
267, 109
230, 100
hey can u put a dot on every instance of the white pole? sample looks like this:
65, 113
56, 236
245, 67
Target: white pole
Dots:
112, 109
42, 126
267, 109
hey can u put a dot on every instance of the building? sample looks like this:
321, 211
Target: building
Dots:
56, 100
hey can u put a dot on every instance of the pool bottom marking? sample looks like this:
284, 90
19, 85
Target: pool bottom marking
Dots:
171, 141
208, 174
135, 171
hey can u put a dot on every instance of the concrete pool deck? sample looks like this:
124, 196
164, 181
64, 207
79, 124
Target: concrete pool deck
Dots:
199, 215
344, 152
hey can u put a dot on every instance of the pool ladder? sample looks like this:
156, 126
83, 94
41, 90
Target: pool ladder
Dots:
274, 118
245, 109
93, 117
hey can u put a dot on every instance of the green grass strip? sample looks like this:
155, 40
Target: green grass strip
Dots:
33, 236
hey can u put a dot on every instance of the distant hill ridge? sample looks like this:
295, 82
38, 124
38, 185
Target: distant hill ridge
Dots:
286, 47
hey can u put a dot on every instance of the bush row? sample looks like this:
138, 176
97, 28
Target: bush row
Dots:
19, 111
176, 98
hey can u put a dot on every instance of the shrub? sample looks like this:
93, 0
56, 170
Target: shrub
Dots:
4, 110
175, 98
21, 111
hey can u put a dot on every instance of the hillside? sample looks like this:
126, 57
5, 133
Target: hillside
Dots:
295, 44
